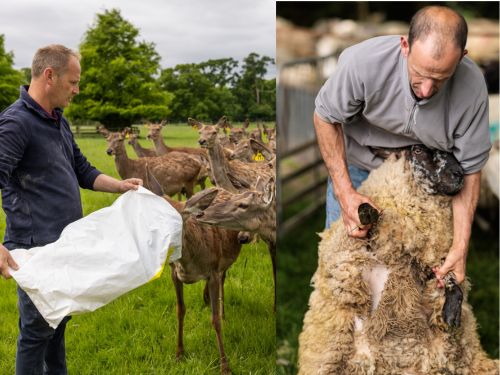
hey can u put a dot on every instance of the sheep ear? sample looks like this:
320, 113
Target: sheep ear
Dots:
385, 152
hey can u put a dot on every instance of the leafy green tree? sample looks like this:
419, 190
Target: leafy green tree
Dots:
256, 96
10, 78
220, 72
117, 85
196, 95
27, 75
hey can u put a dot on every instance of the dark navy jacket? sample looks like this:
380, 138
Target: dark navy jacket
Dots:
41, 170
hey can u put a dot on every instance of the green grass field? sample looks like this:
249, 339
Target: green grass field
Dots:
298, 260
137, 333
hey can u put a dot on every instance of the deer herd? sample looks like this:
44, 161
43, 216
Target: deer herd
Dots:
216, 221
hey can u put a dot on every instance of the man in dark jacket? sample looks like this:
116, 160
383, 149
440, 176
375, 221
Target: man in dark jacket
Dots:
41, 172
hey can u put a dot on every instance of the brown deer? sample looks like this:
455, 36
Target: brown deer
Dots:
244, 152
224, 140
251, 211
139, 150
176, 171
269, 157
220, 165
238, 134
207, 252
255, 134
268, 131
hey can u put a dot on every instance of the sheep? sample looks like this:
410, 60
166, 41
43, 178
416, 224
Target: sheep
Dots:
376, 308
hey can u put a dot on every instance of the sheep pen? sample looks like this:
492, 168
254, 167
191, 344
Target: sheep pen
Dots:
375, 308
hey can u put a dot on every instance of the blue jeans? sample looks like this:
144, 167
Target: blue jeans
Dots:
333, 211
40, 348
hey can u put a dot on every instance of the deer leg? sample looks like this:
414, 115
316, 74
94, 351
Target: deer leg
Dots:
221, 294
181, 311
216, 320
206, 294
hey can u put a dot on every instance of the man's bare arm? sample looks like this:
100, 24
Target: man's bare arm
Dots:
112, 185
332, 147
464, 205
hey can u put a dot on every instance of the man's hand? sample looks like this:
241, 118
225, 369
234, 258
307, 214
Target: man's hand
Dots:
130, 184
455, 262
5, 261
112, 185
349, 203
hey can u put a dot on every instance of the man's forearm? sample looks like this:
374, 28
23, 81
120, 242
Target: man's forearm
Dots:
331, 144
106, 184
464, 205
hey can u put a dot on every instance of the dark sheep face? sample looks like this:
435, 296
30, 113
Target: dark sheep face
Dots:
436, 171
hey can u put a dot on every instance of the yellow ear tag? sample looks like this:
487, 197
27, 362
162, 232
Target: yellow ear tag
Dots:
146, 125
127, 136
258, 157
267, 135
228, 128
195, 127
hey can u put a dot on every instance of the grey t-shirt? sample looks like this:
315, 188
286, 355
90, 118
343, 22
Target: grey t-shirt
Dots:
370, 95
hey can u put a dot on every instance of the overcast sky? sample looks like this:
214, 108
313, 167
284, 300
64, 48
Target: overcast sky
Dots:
184, 31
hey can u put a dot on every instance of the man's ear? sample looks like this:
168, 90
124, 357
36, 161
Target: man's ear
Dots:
50, 76
463, 55
405, 46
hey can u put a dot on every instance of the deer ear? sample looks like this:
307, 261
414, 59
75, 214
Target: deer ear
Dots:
221, 124
137, 132
153, 184
238, 184
257, 146
164, 121
145, 122
269, 192
125, 132
246, 123
259, 186
195, 124
200, 201
104, 132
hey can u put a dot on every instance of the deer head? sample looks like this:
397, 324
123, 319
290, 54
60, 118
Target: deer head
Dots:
243, 212
238, 134
115, 141
208, 133
154, 129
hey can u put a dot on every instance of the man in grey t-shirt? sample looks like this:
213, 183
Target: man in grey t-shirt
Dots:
396, 91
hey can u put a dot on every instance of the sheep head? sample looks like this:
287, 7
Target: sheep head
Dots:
436, 171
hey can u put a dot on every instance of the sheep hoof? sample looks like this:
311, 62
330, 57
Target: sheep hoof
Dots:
367, 214
452, 309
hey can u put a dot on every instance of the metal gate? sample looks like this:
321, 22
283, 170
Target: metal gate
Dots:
301, 174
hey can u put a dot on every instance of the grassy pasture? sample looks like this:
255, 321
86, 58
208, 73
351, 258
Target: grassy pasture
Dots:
137, 333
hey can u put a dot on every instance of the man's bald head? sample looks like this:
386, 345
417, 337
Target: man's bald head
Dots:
443, 25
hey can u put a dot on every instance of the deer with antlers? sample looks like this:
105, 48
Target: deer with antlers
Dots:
177, 172
207, 252
219, 164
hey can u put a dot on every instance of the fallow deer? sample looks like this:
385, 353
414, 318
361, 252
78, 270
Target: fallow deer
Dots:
207, 252
251, 211
238, 134
220, 165
139, 150
176, 172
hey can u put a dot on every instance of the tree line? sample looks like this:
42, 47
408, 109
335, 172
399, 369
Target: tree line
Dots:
122, 81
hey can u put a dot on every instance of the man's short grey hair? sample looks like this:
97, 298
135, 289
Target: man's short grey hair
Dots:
55, 56
448, 25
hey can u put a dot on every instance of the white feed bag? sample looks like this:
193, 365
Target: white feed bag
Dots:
102, 256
